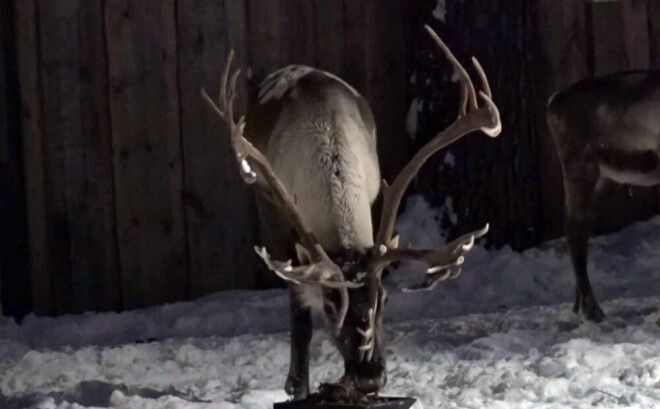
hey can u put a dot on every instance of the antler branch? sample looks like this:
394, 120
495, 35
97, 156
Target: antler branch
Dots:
471, 117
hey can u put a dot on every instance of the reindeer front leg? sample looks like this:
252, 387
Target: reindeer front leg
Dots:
297, 383
580, 186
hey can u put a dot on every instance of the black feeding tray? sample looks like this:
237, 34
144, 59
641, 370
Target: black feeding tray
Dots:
375, 403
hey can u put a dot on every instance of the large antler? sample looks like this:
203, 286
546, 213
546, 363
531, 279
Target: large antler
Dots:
471, 117
320, 270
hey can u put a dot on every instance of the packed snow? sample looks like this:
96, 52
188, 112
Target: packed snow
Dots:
501, 335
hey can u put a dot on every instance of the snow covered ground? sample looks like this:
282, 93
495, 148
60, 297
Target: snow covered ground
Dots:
499, 336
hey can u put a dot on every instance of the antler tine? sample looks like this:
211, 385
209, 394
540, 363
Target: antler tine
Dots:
465, 77
224, 78
464, 100
211, 103
482, 77
232, 90
432, 281
487, 96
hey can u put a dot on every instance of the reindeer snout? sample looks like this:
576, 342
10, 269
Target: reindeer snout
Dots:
369, 378
370, 385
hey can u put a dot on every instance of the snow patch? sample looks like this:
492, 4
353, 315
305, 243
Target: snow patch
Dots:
449, 160
440, 10
411, 117
500, 336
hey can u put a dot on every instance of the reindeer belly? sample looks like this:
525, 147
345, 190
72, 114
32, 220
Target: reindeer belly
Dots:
630, 177
640, 168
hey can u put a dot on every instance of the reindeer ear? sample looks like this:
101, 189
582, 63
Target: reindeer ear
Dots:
394, 243
303, 254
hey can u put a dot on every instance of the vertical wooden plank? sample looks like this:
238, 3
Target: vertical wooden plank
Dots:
280, 32
607, 39
61, 117
636, 30
15, 297
328, 35
653, 11
562, 35
300, 31
388, 84
359, 40
220, 211
607, 44
79, 183
267, 38
90, 180
28, 58
653, 24
144, 114
5, 151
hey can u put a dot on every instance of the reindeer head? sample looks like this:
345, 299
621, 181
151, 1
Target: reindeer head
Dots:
351, 280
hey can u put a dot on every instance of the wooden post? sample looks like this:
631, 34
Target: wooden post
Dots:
562, 35
146, 129
79, 191
388, 84
267, 45
29, 62
653, 11
15, 296
328, 35
636, 30
220, 211
357, 68
607, 43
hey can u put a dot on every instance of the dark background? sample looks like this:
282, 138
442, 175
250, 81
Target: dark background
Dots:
118, 188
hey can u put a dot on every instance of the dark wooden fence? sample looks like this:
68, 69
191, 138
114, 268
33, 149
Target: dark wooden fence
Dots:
133, 196
119, 189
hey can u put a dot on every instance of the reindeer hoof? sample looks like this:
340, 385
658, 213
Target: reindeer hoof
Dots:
593, 313
295, 387
588, 309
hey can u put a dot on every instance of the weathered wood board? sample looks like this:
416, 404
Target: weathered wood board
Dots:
145, 123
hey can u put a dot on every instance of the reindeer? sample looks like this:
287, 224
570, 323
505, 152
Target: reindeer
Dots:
311, 151
606, 129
